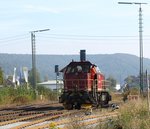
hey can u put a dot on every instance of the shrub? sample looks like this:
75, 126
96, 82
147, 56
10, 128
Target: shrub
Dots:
9, 95
22, 95
134, 115
47, 93
21, 100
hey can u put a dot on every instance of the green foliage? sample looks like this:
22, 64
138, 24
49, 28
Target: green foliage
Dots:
23, 99
48, 93
31, 77
112, 82
8, 95
22, 95
132, 81
1, 76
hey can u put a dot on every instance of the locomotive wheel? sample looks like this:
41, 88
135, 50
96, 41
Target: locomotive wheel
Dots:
68, 106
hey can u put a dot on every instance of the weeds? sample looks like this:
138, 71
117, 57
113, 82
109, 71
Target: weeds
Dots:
134, 115
22, 95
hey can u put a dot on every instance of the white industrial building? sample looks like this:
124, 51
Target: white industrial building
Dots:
53, 84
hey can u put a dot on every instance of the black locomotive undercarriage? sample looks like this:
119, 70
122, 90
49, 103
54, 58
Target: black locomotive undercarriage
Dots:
75, 99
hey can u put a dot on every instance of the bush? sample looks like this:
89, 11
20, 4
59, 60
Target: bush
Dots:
22, 95
47, 93
9, 95
21, 100
134, 115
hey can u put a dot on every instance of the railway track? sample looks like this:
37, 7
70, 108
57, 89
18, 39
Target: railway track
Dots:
27, 116
33, 120
16, 115
70, 122
87, 121
42, 117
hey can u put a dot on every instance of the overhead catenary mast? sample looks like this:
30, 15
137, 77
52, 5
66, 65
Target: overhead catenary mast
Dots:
34, 57
140, 42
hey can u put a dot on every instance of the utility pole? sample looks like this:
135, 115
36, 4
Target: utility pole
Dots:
140, 42
33, 44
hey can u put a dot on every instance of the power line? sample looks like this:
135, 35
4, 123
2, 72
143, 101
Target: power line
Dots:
12, 40
8, 43
6, 40
98, 39
13, 37
89, 36
97, 36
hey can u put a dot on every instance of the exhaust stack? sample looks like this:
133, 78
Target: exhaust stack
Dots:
82, 55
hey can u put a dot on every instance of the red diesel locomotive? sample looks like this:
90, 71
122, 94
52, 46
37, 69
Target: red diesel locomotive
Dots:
83, 84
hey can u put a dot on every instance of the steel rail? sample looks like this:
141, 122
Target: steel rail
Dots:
37, 122
92, 120
26, 118
63, 122
13, 116
32, 125
2, 113
20, 119
56, 115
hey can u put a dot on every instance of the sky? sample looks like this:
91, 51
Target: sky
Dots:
99, 26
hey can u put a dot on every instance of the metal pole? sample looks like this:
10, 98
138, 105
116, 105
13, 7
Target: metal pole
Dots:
57, 85
140, 42
34, 58
141, 49
57, 74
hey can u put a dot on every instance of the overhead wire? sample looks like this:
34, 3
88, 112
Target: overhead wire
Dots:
98, 36
6, 40
12, 37
85, 37
68, 38
74, 35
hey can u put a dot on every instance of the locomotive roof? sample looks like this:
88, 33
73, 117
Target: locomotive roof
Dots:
75, 63
80, 62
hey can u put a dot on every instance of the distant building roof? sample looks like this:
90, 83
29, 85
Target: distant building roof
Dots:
52, 84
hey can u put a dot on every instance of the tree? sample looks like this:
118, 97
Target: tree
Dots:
31, 77
1, 76
132, 81
112, 82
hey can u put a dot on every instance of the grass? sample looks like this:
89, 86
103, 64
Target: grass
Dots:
22, 95
133, 115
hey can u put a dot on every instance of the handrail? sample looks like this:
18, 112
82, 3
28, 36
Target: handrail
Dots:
86, 84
